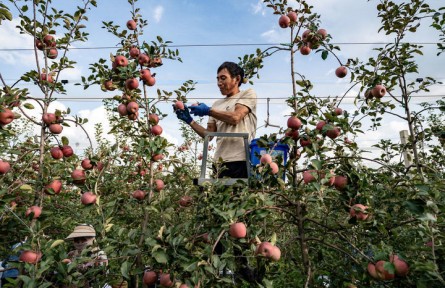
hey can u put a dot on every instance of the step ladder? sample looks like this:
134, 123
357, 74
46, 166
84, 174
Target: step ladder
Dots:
226, 181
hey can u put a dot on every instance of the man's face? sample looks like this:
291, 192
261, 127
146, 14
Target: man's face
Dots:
226, 84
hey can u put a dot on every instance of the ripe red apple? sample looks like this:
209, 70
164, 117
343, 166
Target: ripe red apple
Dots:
34, 209
67, 151
134, 52
238, 230
49, 118
200, 156
55, 128
358, 211
307, 36
145, 75
179, 105
133, 116
382, 272
266, 159
305, 141
341, 72
121, 61
39, 44
309, 176
320, 125
99, 166
150, 277
108, 84
305, 50
274, 168
159, 185
292, 16
275, 253
86, 164
151, 81
131, 24
372, 272
78, 176
88, 198
132, 83
156, 130
165, 281
29, 256
184, 285
122, 109
56, 152
323, 33
153, 119
157, 157
402, 268
269, 251
132, 107
284, 21
340, 182
143, 59
46, 77
139, 195
49, 41
55, 185
292, 133
52, 53
333, 133
338, 111
294, 123
6, 116
185, 201
4, 167
378, 91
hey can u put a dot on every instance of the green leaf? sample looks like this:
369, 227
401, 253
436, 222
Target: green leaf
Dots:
65, 140
160, 256
416, 206
124, 269
26, 187
317, 164
28, 106
57, 243
324, 55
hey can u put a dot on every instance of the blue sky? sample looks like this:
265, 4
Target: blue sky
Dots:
222, 22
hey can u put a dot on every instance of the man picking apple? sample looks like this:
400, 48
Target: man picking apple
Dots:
235, 113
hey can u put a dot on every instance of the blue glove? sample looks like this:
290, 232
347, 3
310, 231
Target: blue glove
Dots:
184, 115
200, 110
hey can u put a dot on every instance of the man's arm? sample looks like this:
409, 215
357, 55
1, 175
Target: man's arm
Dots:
230, 117
201, 131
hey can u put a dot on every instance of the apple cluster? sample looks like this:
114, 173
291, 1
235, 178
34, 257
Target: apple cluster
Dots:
388, 270
53, 122
338, 181
312, 40
48, 45
378, 91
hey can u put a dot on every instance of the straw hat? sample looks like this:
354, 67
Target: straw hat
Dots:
83, 230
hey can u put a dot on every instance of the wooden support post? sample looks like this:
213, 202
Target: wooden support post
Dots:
407, 155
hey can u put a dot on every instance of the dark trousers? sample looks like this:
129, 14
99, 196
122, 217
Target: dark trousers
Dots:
236, 169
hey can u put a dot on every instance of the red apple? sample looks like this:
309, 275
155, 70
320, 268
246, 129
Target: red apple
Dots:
49, 41
46, 77
275, 253
165, 281
151, 81
309, 176
292, 16
143, 59
55, 185
238, 230
122, 109
121, 61
86, 164
88, 198
179, 105
305, 50
372, 272
382, 271
145, 75
99, 166
6, 116
305, 141
274, 168
52, 53
183, 285
150, 277
284, 21
156, 130
338, 111
133, 116
139, 195
294, 123
4, 167
402, 268
269, 251
56, 152
292, 133
132, 107
49, 118
185, 201
333, 133
39, 44
67, 151
30, 256
320, 125
323, 33
378, 91
78, 176
108, 85
307, 36
157, 157
134, 52
132, 83
340, 182
159, 185
34, 209
358, 211
153, 119
266, 159
341, 72
55, 128
131, 24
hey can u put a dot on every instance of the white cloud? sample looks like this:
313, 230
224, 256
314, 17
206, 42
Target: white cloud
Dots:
258, 8
158, 12
12, 39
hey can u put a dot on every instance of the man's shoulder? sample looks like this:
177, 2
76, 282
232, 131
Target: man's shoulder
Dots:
248, 92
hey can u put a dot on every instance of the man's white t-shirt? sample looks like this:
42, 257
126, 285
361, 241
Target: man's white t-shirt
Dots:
232, 148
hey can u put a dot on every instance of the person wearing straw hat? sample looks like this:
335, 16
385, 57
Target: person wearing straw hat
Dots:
84, 237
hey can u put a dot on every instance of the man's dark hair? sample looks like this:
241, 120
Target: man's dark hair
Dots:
234, 70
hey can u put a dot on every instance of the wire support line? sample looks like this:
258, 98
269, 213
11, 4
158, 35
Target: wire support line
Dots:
227, 45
